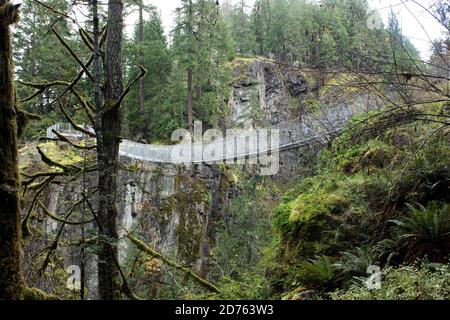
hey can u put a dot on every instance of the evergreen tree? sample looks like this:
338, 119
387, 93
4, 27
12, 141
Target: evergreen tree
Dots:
239, 25
41, 56
402, 56
201, 48
152, 53
439, 60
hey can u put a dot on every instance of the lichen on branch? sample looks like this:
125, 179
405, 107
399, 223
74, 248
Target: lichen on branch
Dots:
141, 245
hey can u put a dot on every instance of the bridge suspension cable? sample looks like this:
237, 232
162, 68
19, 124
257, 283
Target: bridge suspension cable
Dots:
317, 128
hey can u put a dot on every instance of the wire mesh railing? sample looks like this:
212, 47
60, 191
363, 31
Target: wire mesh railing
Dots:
315, 128
67, 130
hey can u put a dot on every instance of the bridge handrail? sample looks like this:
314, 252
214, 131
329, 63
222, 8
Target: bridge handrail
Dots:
298, 132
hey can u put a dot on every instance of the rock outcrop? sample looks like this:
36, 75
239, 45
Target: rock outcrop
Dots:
176, 209
265, 93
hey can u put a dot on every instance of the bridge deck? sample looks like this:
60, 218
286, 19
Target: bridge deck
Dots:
311, 129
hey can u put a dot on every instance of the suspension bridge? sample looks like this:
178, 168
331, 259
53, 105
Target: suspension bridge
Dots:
310, 129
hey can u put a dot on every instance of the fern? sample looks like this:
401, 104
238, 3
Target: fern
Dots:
387, 250
355, 262
426, 231
319, 271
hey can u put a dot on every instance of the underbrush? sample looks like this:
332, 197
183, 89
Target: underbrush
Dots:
382, 199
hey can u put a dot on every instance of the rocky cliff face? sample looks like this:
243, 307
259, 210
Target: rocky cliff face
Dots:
176, 209
171, 208
264, 93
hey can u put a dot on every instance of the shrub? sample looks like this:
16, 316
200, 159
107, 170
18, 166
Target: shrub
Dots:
427, 174
355, 262
318, 272
426, 231
403, 283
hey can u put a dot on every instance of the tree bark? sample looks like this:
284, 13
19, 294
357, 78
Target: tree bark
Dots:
108, 157
189, 101
144, 128
141, 58
11, 280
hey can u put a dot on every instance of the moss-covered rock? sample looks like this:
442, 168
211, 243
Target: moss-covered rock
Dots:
359, 186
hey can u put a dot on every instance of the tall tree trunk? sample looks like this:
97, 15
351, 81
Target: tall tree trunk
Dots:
189, 72
189, 101
141, 80
198, 99
11, 280
108, 157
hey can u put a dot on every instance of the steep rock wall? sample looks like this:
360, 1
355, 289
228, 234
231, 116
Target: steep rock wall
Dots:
266, 93
176, 209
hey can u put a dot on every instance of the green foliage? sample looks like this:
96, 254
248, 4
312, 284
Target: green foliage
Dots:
311, 222
425, 231
427, 176
239, 24
243, 251
250, 286
152, 53
388, 250
245, 233
359, 186
403, 283
201, 44
42, 57
323, 35
309, 206
61, 153
316, 272
355, 262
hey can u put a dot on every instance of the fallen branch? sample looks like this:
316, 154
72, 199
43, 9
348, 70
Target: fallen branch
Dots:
141, 245
56, 218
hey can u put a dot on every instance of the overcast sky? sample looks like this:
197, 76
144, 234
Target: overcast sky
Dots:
411, 17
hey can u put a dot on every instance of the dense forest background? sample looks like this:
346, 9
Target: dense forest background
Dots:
327, 37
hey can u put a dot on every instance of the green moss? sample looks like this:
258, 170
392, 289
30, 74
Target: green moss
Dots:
359, 185
243, 62
61, 153
36, 294
11, 279
345, 83
240, 65
190, 195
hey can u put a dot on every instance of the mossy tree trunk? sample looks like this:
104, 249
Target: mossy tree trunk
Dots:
11, 280
108, 154
144, 132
